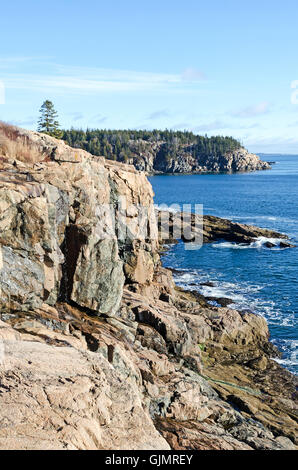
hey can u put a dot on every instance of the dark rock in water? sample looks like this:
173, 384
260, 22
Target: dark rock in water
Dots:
192, 228
279, 245
177, 271
208, 284
286, 245
269, 245
223, 301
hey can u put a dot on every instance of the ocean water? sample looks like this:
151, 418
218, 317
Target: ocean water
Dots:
256, 278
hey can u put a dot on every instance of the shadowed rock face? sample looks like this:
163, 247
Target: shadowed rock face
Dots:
152, 161
98, 348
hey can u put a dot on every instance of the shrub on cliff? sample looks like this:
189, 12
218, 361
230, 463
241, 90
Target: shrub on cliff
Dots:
16, 146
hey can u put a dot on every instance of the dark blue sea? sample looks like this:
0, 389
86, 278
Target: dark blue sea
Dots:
256, 278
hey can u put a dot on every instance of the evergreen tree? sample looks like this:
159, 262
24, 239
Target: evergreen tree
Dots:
124, 144
48, 123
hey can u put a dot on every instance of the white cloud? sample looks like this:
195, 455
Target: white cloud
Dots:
162, 113
222, 125
253, 111
192, 75
99, 118
72, 79
181, 126
76, 116
6, 62
75, 85
273, 144
212, 126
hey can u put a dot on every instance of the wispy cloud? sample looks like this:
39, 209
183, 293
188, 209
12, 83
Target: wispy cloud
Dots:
253, 111
11, 61
212, 126
192, 74
99, 118
29, 121
222, 125
76, 116
22, 63
162, 113
273, 144
82, 80
181, 126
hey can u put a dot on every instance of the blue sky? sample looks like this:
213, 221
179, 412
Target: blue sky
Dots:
217, 67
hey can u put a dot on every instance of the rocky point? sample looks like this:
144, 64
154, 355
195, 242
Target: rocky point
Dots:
99, 348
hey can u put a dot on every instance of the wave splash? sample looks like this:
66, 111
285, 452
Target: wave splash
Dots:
259, 243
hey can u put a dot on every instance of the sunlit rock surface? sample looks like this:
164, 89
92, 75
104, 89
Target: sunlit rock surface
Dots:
98, 348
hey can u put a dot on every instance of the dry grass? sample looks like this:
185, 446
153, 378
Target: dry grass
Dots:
17, 146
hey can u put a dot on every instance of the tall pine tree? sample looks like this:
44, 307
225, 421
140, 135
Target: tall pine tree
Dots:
48, 123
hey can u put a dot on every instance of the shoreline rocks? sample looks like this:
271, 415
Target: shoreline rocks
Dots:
208, 229
153, 162
98, 347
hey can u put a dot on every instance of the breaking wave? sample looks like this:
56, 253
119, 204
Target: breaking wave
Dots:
259, 243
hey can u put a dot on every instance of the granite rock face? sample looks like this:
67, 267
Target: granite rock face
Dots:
153, 161
98, 347
71, 381
58, 239
67, 397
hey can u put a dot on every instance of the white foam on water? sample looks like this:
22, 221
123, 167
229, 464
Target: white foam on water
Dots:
269, 218
193, 280
230, 245
259, 243
221, 291
290, 348
186, 278
244, 297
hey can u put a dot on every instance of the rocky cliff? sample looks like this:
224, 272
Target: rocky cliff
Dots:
153, 160
98, 348
158, 152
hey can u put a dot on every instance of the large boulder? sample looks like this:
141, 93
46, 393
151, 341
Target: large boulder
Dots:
62, 230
